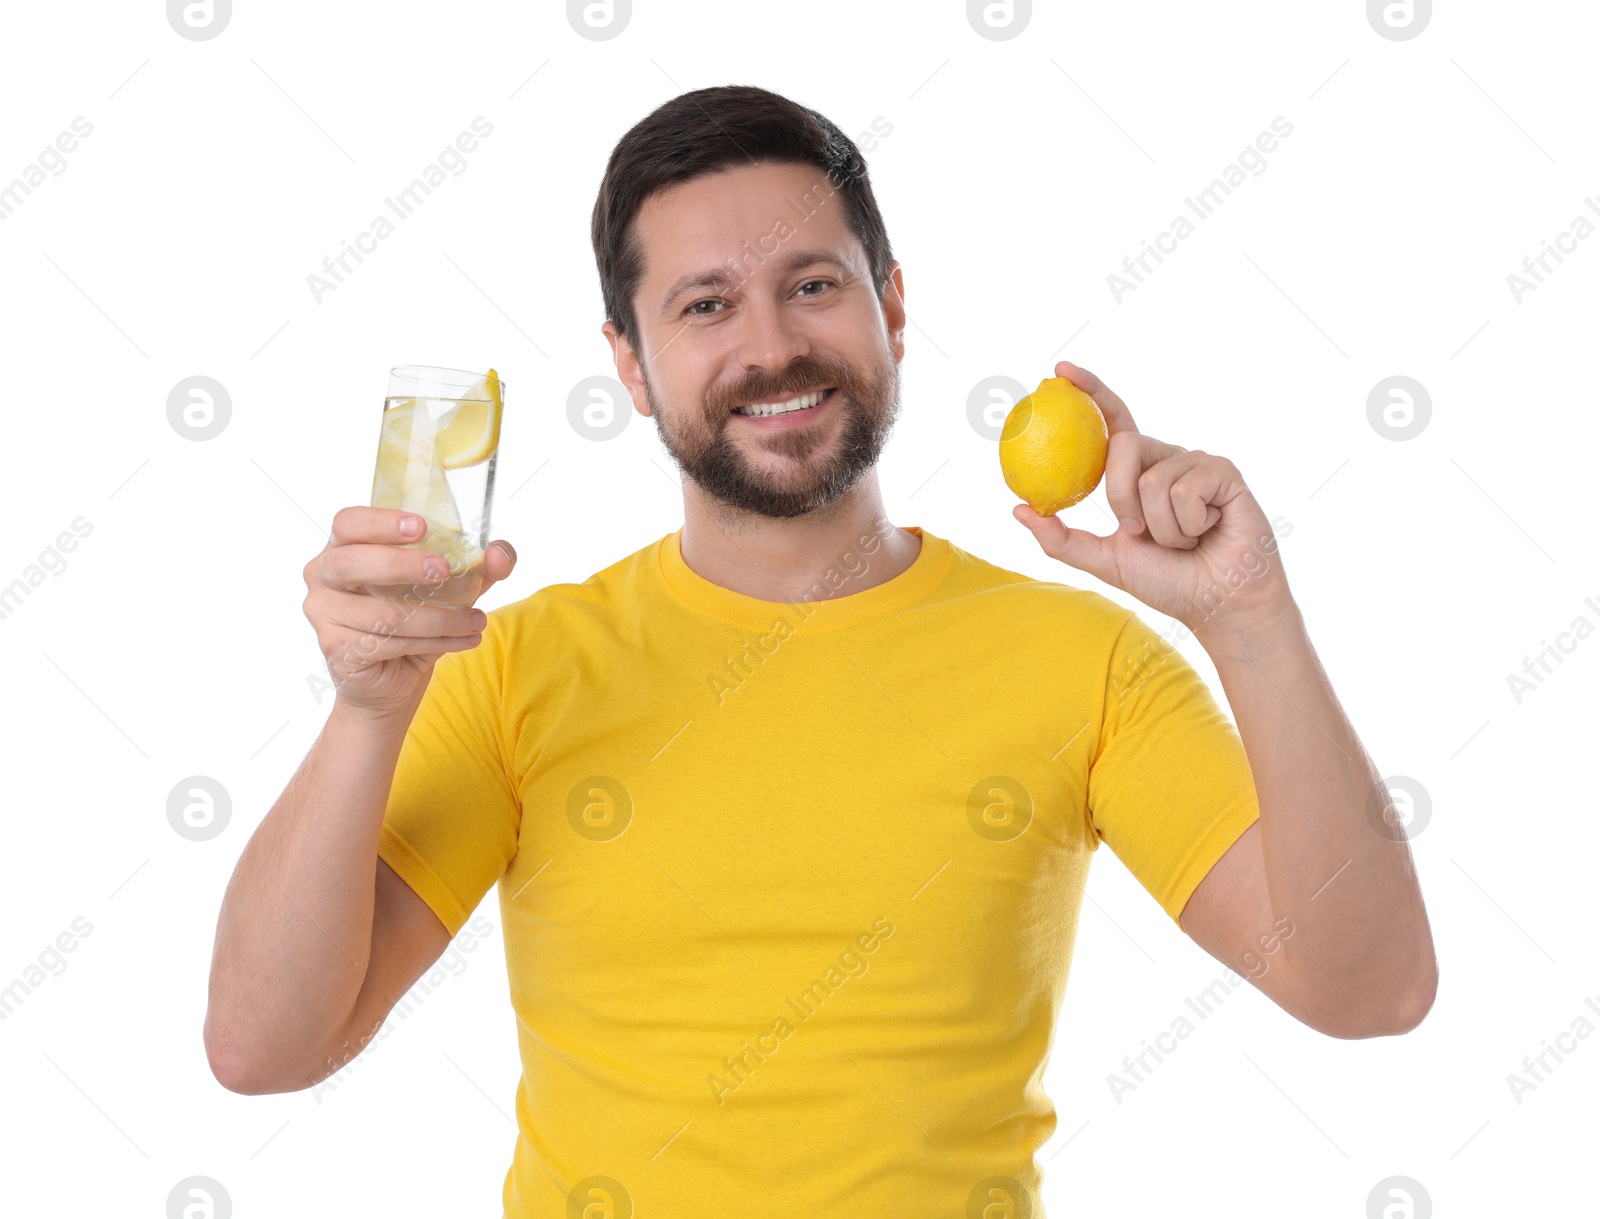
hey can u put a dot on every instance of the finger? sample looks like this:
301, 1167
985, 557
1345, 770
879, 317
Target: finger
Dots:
498, 562
354, 566
1124, 464
1128, 455
1195, 495
1075, 547
387, 616
1155, 498
1118, 417
362, 524
350, 651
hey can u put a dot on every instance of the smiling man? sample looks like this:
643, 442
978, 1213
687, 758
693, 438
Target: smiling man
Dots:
791, 810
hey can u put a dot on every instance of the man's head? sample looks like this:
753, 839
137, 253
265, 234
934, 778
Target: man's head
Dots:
742, 259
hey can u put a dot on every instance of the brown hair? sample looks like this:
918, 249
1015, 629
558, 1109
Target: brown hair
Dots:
704, 132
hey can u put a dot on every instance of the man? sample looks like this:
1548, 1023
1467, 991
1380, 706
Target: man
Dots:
791, 811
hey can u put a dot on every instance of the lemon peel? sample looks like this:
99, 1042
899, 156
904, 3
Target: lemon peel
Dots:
1053, 446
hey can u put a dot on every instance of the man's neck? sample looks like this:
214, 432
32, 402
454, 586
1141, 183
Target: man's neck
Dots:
843, 549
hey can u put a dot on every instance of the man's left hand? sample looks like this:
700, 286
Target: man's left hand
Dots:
1193, 543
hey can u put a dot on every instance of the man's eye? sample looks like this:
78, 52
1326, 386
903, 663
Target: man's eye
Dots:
697, 311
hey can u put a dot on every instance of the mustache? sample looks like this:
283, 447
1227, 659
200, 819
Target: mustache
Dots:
801, 377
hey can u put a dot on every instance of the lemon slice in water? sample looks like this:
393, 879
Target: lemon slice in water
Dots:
417, 446
409, 474
469, 432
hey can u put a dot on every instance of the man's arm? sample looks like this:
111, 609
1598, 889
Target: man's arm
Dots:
1195, 545
1322, 863
317, 938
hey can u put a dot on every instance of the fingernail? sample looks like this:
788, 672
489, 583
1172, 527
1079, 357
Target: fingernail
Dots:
411, 526
433, 569
479, 619
1128, 523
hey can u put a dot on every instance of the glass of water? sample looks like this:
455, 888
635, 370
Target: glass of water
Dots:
436, 457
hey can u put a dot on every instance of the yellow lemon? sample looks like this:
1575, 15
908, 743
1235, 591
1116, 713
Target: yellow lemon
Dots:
418, 443
469, 432
1053, 446
407, 474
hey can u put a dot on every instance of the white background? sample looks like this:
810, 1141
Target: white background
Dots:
1018, 174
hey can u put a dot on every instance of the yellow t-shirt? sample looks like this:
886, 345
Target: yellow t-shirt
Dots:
789, 891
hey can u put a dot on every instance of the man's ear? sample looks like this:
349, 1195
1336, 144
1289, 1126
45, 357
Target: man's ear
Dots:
628, 371
894, 310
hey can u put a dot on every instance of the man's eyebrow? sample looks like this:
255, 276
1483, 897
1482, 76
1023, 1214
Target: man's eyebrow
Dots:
720, 278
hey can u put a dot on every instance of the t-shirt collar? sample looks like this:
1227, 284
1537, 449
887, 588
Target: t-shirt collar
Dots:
830, 605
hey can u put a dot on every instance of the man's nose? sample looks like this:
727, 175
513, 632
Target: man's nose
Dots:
769, 337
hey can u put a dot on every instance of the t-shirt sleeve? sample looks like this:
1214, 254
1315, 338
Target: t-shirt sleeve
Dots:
451, 824
1170, 787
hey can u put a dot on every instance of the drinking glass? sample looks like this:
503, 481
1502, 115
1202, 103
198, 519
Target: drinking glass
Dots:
437, 449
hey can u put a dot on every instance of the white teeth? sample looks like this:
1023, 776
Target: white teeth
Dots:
763, 409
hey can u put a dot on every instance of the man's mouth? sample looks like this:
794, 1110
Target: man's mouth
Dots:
789, 406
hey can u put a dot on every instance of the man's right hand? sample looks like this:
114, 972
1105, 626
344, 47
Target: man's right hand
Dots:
381, 650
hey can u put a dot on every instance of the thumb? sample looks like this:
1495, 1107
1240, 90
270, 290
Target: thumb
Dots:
497, 566
1075, 547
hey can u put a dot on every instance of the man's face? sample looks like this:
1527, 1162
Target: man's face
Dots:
787, 307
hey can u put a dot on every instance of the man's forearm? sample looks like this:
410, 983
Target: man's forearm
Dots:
1335, 866
295, 930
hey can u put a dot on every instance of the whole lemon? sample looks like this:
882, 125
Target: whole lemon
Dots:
1053, 446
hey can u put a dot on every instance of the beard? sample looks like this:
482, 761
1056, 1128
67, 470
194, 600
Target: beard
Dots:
782, 474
